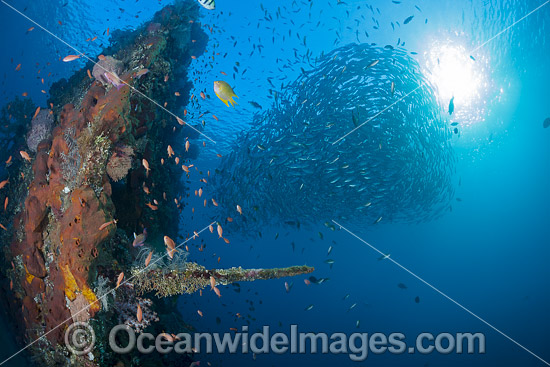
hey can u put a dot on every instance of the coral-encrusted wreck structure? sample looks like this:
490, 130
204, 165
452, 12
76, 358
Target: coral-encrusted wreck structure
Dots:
68, 184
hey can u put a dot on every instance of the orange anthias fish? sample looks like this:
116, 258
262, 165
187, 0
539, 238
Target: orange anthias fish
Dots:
239, 209
36, 112
71, 58
220, 231
25, 155
107, 224
119, 280
148, 260
152, 207
170, 151
169, 243
187, 145
199, 312
217, 291
139, 313
3, 184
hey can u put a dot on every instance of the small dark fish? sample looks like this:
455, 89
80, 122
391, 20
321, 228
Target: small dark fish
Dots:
402, 286
452, 105
455, 130
218, 320
458, 199
417, 299
408, 20
546, 123
473, 58
308, 308
454, 123
255, 105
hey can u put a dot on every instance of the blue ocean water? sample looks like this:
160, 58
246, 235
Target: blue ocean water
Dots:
489, 254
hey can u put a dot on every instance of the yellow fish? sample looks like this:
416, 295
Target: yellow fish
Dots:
224, 92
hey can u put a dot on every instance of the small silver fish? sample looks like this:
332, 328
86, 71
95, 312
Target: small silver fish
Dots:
372, 64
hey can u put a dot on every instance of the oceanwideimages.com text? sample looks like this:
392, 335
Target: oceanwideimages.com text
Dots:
356, 345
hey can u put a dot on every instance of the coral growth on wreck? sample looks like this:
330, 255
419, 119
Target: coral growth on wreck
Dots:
41, 128
81, 194
193, 277
120, 162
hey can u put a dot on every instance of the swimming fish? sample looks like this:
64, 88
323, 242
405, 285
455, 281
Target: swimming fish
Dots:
148, 259
140, 73
452, 106
217, 291
104, 225
169, 243
25, 155
119, 280
113, 79
255, 105
417, 299
208, 4
372, 64
288, 287
139, 240
330, 262
71, 58
408, 20
546, 123
224, 92
402, 286
139, 313
3, 184
145, 165
308, 307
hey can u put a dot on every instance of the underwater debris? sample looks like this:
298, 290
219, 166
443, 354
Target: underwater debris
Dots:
64, 195
193, 277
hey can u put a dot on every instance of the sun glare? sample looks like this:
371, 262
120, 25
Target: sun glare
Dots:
453, 73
